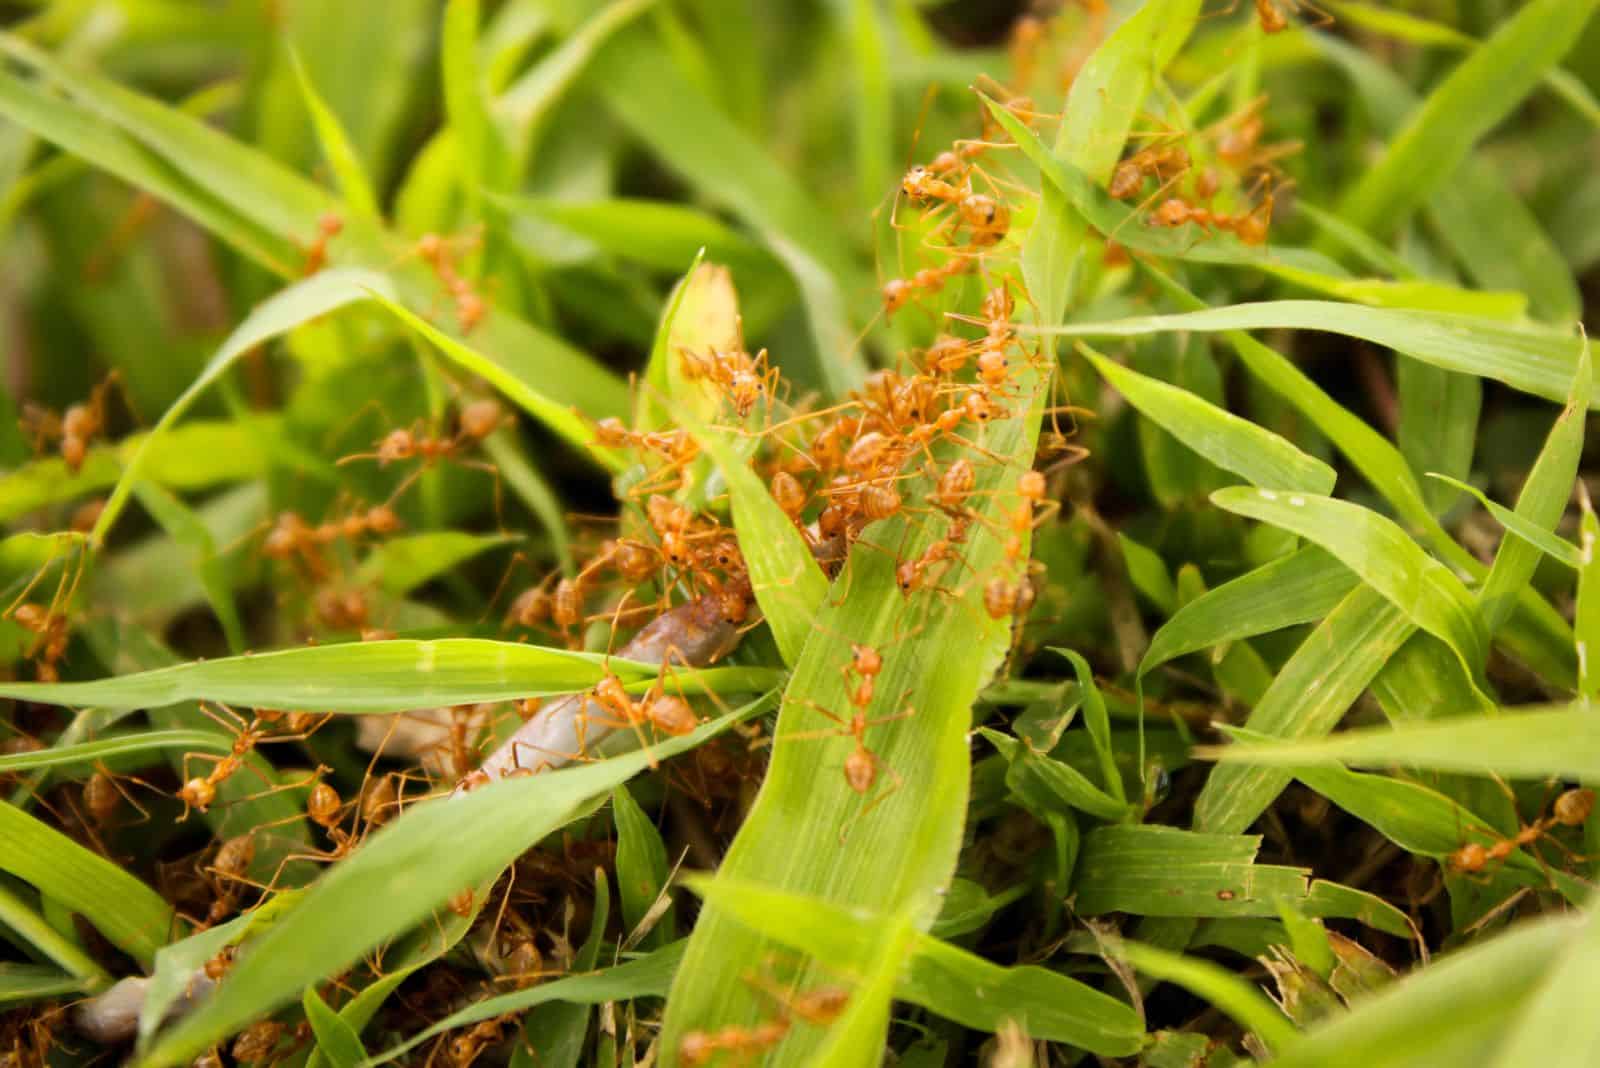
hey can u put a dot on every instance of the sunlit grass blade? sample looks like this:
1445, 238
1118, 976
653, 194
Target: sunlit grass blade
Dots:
657, 233
337, 1041
413, 865
1552, 545
1485, 88
1523, 743
1307, 698
1259, 456
132, 916
369, 677
401, 564
354, 185
809, 832
1534, 359
1383, 555
1556, 1027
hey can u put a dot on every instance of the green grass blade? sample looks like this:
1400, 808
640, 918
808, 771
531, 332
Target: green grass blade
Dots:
413, 865
520, 373
289, 308
1556, 1027
198, 455
1300, 588
86, 754
646, 976
189, 532
944, 979
1438, 425
1586, 614
1485, 88
1414, 1021
354, 185
1542, 501
1166, 871
22, 983
641, 867
1524, 356
401, 564
937, 652
656, 233
132, 916
368, 677
1259, 456
480, 154
23, 922
1383, 555
1536, 537
1527, 744
337, 1041
1239, 999
669, 114
1052, 783
1307, 698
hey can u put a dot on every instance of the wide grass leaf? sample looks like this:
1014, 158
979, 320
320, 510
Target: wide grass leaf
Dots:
1383, 555
1167, 871
132, 916
364, 677
1259, 456
414, 865
1558, 1027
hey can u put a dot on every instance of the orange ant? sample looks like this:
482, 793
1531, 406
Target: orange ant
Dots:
232, 864
1273, 19
668, 713
1162, 162
898, 292
471, 308
1250, 227
744, 379
79, 425
475, 422
199, 793
819, 1007
328, 227
1571, 809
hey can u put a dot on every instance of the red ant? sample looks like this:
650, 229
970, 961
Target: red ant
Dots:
328, 227
475, 422
471, 308
76, 428
1571, 809
199, 793
1250, 227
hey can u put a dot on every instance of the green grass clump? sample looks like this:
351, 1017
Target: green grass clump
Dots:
395, 383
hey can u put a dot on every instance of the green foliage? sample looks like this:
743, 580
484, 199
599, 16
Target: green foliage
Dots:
418, 317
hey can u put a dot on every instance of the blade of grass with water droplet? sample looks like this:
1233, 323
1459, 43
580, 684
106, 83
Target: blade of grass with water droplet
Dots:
1384, 556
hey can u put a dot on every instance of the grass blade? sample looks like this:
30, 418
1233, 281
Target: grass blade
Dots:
1240, 1000
86, 754
1259, 456
367, 677
1532, 743
406, 865
1383, 555
132, 916
1526, 357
